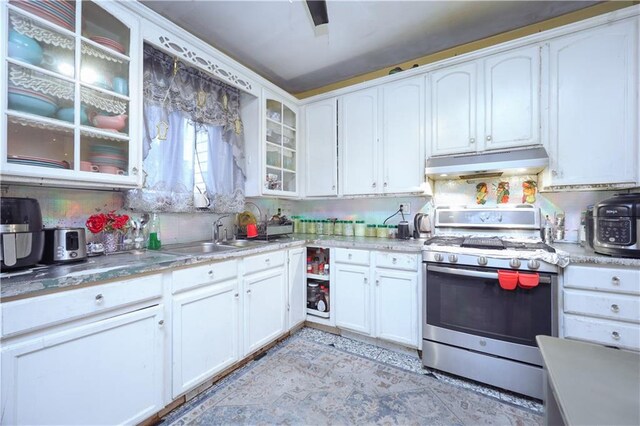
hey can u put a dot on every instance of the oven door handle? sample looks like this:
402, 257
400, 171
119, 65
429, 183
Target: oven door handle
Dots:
476, 274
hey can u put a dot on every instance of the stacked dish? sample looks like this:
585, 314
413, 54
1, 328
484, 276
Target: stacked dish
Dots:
61, 13
109, 43
107, 155
24, 48
27, 100
26, 160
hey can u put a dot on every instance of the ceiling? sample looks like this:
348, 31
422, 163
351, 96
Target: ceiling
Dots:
277, 39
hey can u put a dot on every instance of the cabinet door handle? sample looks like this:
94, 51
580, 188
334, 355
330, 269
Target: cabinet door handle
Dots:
236, 295
267, 260
472, 140
249, 291
210, 273
349, 256
394, 260
488, 137
378, 282
333, 187
615, 280
135, 171
373, 185
99, 298
161, 323
615, 335
366, 280
385, 184
615, 308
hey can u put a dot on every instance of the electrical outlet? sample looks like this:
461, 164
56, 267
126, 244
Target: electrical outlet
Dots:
406, 207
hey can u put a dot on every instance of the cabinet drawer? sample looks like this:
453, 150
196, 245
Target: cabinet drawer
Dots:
408, 262
598, 278
37, 312
610, 333
261, 262
607, 305
353, 257
185, 279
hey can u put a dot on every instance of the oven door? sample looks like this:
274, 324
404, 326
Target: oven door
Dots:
466, 307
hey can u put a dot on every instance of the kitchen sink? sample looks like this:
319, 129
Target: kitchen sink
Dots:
198, 248
243, 243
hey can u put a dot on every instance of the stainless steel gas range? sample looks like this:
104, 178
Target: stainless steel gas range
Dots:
490, 287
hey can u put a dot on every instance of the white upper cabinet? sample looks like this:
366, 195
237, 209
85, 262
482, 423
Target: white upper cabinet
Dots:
321, 161
486, 104
453, 112
382, 139
359, 142
70, 77
593, 111
512, 99
403, 136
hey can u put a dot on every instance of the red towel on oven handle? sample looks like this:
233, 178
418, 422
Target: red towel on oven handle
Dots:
508, 280
528, 280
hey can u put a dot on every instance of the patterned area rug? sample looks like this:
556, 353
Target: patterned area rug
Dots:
303, 382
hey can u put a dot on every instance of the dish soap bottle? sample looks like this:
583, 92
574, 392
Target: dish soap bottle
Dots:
154, 233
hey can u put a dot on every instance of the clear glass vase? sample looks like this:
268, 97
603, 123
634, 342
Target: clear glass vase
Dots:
111, 241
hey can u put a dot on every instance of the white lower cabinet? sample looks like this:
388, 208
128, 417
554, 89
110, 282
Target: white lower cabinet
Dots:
105, 372
265, 295
386, 306
352, 297
602, 305
297, 283
396, 306
205, 333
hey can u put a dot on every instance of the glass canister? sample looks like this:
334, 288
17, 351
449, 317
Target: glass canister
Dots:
359, 228
371, 230
311, 227
392, 231
329, 227
320, 227
381, 231
296, 223
303, 226
348, 228
338, 228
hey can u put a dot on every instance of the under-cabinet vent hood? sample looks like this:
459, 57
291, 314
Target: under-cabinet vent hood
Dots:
488, 165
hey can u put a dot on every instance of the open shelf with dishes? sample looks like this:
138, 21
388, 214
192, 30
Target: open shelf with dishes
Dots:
318, 282
68, 71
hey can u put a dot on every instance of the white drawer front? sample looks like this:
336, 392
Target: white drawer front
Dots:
610, 333
353, 257
185, 279
38, 312
261, 262
625, 280
608, 305
408, 262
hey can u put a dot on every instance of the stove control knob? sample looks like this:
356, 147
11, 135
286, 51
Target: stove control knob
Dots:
482, 261
533, 264
438, 257
453, 258
514, 263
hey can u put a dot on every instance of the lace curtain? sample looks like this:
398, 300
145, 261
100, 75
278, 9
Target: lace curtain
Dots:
177, 96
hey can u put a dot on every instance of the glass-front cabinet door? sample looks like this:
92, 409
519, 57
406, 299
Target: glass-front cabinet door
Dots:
281, 148
68, 70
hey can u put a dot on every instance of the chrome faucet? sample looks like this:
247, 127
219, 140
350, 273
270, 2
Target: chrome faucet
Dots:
216, 228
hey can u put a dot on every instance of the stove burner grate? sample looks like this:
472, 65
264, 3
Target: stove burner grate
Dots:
478, 242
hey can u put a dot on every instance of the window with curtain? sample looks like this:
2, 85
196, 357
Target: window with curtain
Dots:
192, 140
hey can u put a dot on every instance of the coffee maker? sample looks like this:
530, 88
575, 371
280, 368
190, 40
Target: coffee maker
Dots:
21, 234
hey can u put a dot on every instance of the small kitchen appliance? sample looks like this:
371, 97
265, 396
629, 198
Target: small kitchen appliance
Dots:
421, 226
403, 230
21, 235
616, 226
62, 245
489, 288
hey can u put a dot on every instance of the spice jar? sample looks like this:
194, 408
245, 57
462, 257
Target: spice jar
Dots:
338, 228
381, 231
320, 227
329, 227
311, 227
348, 228
297, 224
359, 229
371, 230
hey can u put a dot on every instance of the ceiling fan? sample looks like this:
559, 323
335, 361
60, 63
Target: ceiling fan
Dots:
318, 11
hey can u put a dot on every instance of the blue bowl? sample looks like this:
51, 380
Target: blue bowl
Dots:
31, 105
66, 114
24, 48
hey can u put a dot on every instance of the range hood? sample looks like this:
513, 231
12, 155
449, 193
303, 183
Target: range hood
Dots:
488, 165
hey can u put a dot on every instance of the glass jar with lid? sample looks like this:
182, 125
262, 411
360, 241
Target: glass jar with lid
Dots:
338, 228
359, 228
348, 228
297, 222
320, 227
303, 226
311, 227
329, 227
371, 230
381, 231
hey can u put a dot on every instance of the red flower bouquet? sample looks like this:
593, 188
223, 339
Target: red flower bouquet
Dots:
109, 222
